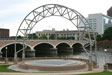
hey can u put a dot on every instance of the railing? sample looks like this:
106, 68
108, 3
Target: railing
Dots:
39, 40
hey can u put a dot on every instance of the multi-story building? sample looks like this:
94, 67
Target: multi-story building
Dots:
73, 34
99, 22
4, 33
109, 12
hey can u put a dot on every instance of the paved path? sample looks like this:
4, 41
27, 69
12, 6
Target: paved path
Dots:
61, 73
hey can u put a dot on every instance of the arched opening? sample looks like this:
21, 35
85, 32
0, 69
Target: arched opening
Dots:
9, 50
64, 49
77, 47
44, 49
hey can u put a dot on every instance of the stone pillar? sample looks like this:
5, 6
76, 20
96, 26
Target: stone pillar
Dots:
90, 67
67, 50
30, 53
53, 51
0, 54
15, 60
105, 68
49, 51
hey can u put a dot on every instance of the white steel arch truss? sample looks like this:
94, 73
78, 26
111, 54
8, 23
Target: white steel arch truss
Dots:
44, 11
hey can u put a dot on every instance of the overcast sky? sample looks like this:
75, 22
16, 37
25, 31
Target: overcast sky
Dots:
12, 12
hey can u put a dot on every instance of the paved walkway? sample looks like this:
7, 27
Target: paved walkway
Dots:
56, 73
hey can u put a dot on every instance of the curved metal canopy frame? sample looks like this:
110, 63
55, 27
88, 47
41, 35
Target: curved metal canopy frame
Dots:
36, 15
48, 10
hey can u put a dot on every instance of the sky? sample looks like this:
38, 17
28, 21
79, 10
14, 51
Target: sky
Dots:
12, 12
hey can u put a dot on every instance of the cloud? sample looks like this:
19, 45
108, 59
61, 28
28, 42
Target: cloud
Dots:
16, 9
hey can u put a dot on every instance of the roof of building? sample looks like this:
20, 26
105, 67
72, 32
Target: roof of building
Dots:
3, 29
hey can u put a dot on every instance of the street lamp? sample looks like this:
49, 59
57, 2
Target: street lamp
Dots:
105, 65
6, 51
6, 59
105, 50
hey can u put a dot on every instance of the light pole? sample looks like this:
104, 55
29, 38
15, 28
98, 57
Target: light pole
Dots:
105, 65
6, 51
6, 59
105, 50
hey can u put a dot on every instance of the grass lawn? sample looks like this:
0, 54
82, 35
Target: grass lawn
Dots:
4, 68
102, 73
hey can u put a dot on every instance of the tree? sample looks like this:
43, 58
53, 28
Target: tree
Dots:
91, 36
19, 37
43, 37
99, 38
12, 37
32, 36
52, 36
107, 34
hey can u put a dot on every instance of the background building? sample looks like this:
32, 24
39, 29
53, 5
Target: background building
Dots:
99, 22
109, 12
4, 34
65, 34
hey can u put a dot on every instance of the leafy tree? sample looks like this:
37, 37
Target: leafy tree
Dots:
13, 37
32, 36
99, 38
52, 36
91, 36
108, 34
19, 37
43, 37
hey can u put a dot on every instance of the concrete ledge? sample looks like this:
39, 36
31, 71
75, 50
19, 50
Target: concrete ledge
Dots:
54, 68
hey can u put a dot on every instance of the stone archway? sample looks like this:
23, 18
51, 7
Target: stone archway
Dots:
44, 49
64, 48
77, 47
10, 49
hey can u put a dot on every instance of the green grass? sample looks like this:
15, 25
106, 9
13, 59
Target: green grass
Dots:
4, 68
101, 73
